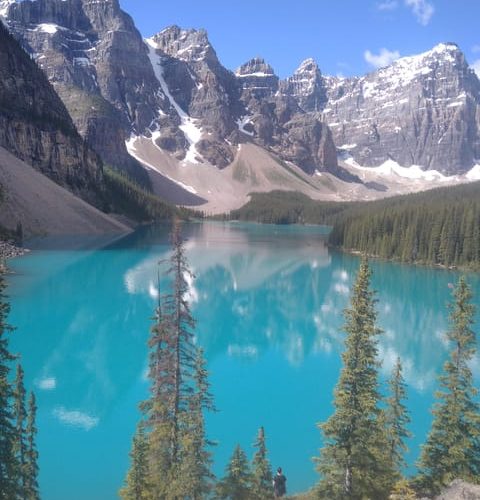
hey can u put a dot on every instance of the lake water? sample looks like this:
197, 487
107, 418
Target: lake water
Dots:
268, 302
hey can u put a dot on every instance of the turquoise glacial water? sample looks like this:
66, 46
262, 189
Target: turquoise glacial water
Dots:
268, 302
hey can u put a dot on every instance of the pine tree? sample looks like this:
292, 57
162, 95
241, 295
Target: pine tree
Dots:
352, 462
31, 453
8, 465
179, 393
19, 447
195, 476
452, 449
136, 486
237, 483
397, 420
262, 470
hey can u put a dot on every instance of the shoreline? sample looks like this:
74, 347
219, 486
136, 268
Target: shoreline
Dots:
9, 250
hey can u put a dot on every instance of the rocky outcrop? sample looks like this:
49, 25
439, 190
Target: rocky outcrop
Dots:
96, 59
257, 79
201, 87
421, 110
460, 490
307, 86
275, 120
36, 127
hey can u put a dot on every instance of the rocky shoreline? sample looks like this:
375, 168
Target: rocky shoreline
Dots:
8, 250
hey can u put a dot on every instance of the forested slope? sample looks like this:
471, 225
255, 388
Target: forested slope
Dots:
441, 226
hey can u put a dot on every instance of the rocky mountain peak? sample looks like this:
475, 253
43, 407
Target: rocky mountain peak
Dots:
307, 86
308, 66
419, 110
255, 67
257, 78
188, 45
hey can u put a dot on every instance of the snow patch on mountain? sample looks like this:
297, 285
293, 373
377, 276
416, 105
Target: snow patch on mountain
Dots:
132, 151
188, 126
241, 122
474, 173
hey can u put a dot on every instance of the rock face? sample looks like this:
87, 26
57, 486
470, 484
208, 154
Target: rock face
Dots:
421, 110
460, 490
275, 119
96, 59
202, 89
36, 127
172, 89
307, 86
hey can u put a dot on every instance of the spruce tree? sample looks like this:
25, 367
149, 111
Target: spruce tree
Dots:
195, 476
397, 420
136, 486
452, 449
237, 483
352, 462
262, 470
179, 392
8, 465
20, 444
31, 453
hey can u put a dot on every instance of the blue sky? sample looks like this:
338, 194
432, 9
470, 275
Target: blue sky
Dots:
347, 37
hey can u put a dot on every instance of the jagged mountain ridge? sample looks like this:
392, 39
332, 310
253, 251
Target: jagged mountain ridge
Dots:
196, 111
421, 110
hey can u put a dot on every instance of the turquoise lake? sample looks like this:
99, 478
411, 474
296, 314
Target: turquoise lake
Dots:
268, 303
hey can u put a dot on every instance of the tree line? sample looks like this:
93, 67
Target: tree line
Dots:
364, 440
440, 226
18, 451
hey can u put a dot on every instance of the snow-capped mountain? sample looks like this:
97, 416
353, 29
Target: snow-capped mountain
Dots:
170, 102
421, 110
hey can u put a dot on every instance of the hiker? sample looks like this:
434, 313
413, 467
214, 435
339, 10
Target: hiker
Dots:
279, 484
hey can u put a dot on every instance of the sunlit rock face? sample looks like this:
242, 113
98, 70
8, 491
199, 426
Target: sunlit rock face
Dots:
421, 110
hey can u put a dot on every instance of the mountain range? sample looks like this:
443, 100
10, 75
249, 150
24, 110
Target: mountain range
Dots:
169, 114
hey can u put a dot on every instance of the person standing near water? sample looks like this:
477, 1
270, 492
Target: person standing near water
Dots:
279, 484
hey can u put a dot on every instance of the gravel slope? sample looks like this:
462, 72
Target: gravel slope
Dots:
44, 207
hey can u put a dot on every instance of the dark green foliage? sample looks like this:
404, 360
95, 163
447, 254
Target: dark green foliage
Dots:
440, 227
127, 197
196, 460
262, 470
397, 420
20, 443
8, 463
136, 482
31, 453
352, 462
286, 207
237, 483
178, 458
452, 450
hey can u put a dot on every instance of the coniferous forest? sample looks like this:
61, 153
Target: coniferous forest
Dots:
439, 227
364, 440
18, 451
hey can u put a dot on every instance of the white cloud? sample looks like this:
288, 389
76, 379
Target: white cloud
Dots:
476, 67
341, 288
384, 58
422, 9
387, 5
75, 418
47, 384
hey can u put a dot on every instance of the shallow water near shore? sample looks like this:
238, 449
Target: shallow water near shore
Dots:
268, 303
